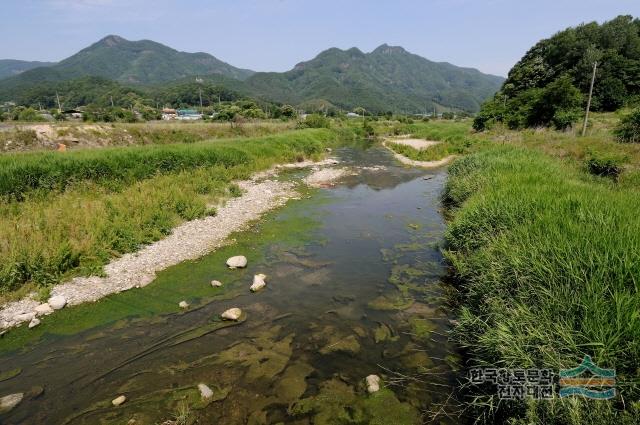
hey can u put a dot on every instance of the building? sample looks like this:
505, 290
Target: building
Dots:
169, 114
188, 115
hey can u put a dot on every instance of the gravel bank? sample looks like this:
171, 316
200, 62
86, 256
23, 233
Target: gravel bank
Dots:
188, 241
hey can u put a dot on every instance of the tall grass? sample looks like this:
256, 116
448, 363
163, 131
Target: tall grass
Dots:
547, 260
115, 200
54, 171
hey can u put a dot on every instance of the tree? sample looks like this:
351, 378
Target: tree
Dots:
288, 111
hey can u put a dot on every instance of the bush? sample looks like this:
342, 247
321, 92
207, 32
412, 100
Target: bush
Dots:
315, 121
604, 166
628, 131
565, 118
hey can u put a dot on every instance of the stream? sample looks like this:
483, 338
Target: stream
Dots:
353, 288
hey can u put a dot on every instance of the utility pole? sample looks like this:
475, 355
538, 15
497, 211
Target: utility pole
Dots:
200, 90
586, 115
505, 102
59, 106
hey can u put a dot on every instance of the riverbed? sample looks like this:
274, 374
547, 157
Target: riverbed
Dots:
354, 288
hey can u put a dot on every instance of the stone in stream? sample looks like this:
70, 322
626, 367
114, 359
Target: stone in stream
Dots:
216, 283
373, 383
237, 262
183, 304
58, 302
205, 391
23, 317
34, 322
43, 309
232, 314
119, 400
258, 282
10, 401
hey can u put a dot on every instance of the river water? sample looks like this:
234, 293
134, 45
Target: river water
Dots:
353, 288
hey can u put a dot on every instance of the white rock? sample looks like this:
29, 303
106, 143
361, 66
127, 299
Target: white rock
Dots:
216, 283
34, 322
43, 309
373, 383
232, 314
58, 302
10, 401
23, 317
205, 391
118, 400
183, 304
237, 262
258, 282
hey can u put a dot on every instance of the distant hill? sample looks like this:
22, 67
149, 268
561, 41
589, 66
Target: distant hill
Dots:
131, 62
11, 67
388, 78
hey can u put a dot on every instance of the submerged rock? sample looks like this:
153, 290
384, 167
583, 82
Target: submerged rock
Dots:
43, 309
118, 400
34, 322
58, 302
237, 262
10, 401
216, 283
205, 391
232, 314
373, 384
183, 304
258, 282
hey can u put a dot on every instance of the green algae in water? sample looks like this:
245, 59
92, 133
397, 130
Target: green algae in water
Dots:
5, 376
384, 333
338, 403
293, 384
391, 302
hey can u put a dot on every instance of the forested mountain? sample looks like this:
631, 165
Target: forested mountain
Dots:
565, 62
131, 62
388, 78
11, 67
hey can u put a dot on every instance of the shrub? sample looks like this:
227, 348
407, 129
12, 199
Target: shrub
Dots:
628, 131
315, 121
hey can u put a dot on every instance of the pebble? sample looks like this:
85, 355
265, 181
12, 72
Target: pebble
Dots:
34, 322
258, 282
43, 309
10, 401
183, 304
58, 302
118, 400
237, 262
205, 391
216, 283
373, 383
232, 314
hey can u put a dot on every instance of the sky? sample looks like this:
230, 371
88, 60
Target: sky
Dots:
274, 35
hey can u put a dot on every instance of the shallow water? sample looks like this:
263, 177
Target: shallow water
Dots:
353, 289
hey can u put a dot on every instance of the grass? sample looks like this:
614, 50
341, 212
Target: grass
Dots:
453, 136
84, 135
546, 259
86, 207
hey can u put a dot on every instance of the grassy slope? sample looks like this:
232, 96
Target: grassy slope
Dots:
89, 206
546, 258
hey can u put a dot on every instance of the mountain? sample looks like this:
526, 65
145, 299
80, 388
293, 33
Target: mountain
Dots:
131, 62
11, 67
388, 78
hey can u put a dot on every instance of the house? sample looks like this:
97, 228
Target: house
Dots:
72, 114
352, 115
169, 114
188, 114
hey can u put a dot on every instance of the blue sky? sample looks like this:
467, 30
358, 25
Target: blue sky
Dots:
274, 35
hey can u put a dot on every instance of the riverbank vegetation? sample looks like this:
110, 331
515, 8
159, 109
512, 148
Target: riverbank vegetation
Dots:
544, 254
69, 213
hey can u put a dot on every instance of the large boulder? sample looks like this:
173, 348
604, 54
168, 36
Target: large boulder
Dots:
58, 302
43, 309
205, 391
237, 262
232, 314
258, 282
